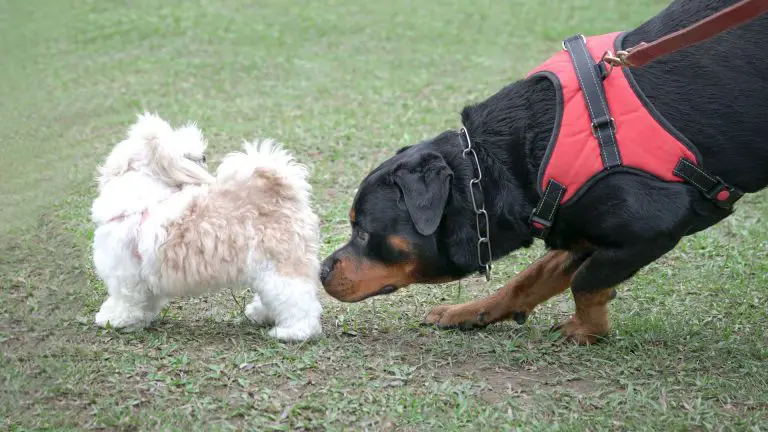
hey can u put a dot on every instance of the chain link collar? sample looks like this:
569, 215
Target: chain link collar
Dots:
483, 229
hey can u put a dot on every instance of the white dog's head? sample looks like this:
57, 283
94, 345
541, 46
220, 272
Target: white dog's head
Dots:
153, 147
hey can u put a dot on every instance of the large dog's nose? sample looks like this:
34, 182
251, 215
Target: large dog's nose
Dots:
326, 268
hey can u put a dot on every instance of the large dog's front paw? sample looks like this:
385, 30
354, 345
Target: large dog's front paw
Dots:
462, 316
574, 330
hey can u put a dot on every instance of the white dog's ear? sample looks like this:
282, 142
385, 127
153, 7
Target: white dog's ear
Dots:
175, 169
192, 139
165, 158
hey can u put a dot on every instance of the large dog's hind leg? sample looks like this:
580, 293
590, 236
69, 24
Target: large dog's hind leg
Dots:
593, 287
546, 277
590, 322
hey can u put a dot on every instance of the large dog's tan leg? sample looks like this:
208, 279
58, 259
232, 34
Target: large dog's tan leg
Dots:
546, 277
590, 321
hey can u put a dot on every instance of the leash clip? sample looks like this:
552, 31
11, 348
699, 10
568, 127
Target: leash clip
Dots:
618, 60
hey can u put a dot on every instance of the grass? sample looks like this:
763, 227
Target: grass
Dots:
343, 84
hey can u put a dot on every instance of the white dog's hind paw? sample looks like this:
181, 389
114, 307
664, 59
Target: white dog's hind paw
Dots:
257, 313
297, 332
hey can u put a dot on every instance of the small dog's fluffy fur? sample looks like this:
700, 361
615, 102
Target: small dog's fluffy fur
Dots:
167, 228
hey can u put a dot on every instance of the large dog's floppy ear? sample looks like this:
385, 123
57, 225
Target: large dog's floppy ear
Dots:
425, 180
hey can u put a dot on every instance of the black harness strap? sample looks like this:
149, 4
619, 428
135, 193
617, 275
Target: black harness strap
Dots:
590, 76
591, 82
723, 195
543, 215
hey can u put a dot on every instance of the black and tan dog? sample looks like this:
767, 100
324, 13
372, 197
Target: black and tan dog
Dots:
413, 219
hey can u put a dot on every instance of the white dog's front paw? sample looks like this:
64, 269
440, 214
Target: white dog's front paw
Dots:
257, 313
296, 332
120, 315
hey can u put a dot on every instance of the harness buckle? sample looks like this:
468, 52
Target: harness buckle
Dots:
538, 226
722, 195
599, 123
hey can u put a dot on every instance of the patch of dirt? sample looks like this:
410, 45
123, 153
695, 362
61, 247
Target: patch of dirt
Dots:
383, 353
501, 382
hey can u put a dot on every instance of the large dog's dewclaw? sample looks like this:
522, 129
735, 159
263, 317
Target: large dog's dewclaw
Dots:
519, 317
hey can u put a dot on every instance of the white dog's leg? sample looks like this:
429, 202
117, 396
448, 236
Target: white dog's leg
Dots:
293, 304
257, 312
129, 311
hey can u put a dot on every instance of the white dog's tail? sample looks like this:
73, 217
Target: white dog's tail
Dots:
266, 157
166, 150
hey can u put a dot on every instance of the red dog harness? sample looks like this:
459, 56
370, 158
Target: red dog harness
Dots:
604, 124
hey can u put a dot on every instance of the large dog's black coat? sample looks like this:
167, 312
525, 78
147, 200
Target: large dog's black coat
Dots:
715, 94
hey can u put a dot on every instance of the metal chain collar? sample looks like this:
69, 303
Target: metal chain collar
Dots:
483, 230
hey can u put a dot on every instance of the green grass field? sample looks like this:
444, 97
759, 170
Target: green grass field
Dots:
342, 83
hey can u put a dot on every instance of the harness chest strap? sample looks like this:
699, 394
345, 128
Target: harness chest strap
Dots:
590, 75
723, 195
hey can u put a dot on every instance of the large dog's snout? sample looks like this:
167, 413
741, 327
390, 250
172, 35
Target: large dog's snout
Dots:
351, 278
326, 268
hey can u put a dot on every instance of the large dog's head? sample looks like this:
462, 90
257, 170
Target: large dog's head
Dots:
399, 230
173, 156
413, 218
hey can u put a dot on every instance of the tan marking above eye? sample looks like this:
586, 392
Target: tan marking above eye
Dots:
352, 215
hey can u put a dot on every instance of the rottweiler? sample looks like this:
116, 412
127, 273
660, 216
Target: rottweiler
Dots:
414, 218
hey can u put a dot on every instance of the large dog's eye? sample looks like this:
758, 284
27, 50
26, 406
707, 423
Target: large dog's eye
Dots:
362, 236
203, 159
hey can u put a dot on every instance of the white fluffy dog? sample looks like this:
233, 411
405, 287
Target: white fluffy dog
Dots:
166, 228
